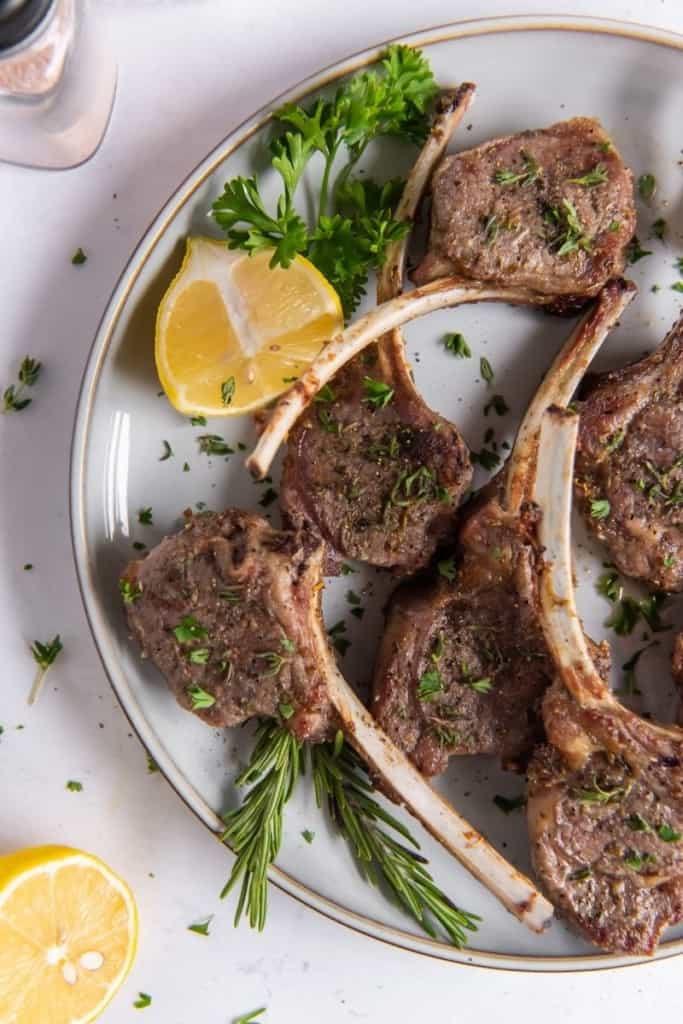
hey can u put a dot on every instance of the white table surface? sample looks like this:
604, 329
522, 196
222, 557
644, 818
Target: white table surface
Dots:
190, 70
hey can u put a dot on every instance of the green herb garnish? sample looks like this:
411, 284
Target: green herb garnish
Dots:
600, 508
528, 176
228, 391
74, 787
668, 834
456, 344
79, 257
201, 927
13, 396
446, 568
635, 251
200, 698
168, 452
498, 404
647, 185
130, 592
213, 444
377, 393
354, 224
385, 859
143, 1000
598, 176
145, 517
189, 630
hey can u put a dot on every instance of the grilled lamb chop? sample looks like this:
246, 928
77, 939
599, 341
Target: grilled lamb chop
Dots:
229, 611
545, 229
223, 608
550, 209
605, 806
677, 666
369, 446
630, 453
462, 667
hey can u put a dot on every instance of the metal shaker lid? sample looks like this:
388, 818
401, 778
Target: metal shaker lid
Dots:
19, 18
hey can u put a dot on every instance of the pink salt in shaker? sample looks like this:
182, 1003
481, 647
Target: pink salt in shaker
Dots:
57, 83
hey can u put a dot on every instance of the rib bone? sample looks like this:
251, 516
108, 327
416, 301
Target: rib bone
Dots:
441, 294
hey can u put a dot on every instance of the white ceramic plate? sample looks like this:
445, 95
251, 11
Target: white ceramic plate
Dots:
530, 73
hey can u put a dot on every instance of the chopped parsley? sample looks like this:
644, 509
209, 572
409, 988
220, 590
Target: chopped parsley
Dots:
598, 176
430, 683
308, 835
659, 228
228, 391
336, 634
168, 452
498, 404
668, 834
152, 766
486, 369
600, 508
580, 874
189, 630
625, 616
142, 1001
347, 570
377, 393
74, 787
13, 399
352, 597
145, 516
635, 251
328, 422
198, 421
637, 860
569, 232
213, 444
28, 566
678, 286
647, 185
268, 497
456, 344
597, 794
79, 257
637, 823
486, 458
326, 394
130, 592
286, 711
201, 700
201, 927
446, 568
526, 177
199, 656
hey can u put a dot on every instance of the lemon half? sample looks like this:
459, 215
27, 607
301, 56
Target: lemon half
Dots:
232, 333
68, 935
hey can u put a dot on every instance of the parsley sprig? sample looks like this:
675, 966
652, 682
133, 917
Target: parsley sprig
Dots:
354, 223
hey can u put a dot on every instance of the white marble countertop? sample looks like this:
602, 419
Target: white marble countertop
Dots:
190, 70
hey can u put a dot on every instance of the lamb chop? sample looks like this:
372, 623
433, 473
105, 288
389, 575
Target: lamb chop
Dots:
229, 611
605, 806
542, 219
369, 466
630, 459
462, 667
550, 209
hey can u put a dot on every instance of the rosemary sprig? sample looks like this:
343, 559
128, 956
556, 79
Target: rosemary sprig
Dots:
341, 783
254, 830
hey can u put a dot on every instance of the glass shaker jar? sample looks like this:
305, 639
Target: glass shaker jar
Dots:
57, 83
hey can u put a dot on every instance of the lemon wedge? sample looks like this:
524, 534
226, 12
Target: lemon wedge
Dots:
68, 935
232, 333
